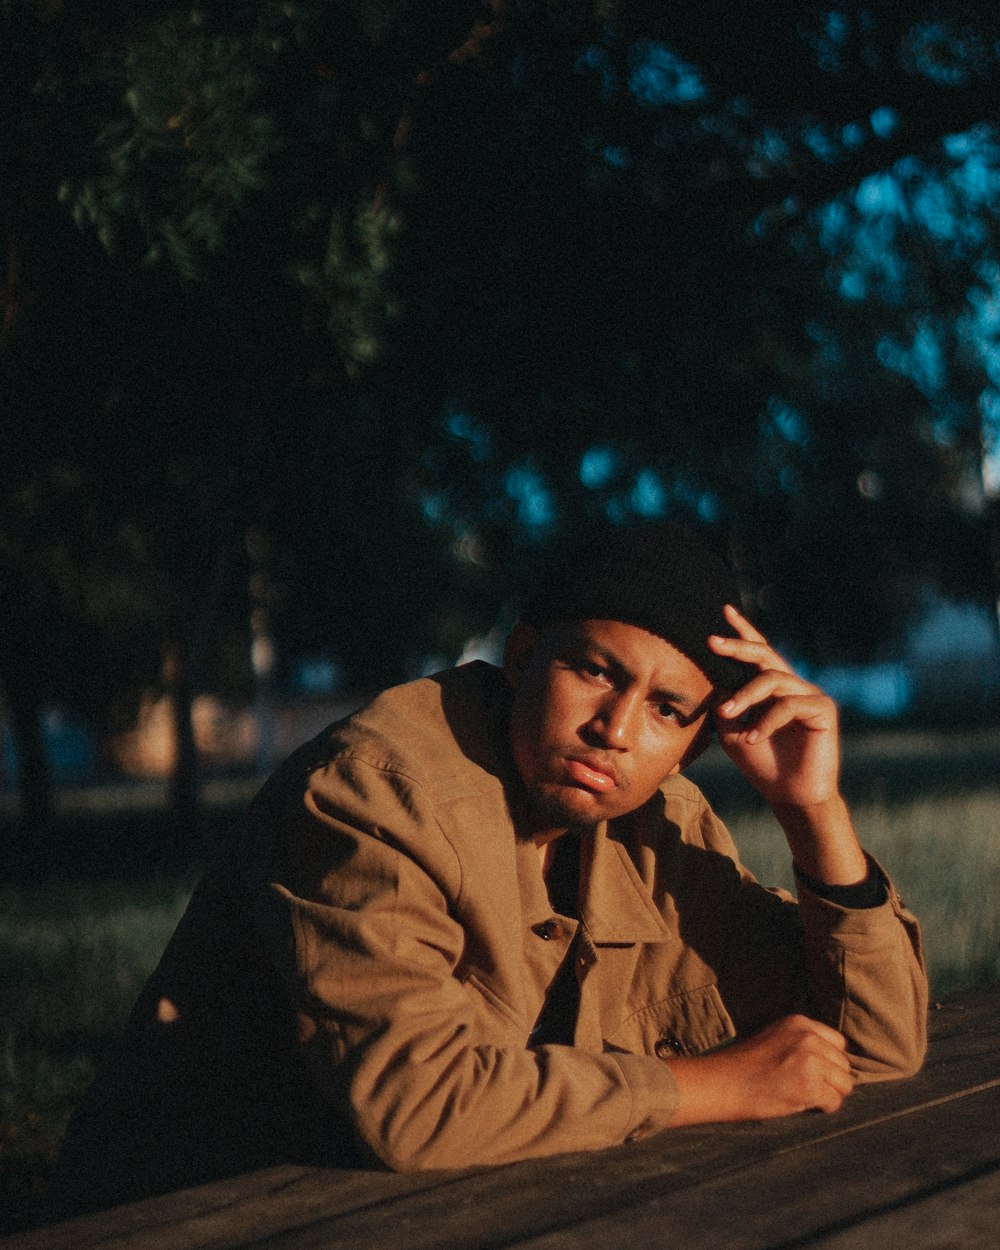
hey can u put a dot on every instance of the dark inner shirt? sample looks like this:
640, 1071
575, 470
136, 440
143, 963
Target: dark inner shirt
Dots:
557, 1019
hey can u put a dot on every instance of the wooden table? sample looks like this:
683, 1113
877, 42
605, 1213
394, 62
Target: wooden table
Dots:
912, 1164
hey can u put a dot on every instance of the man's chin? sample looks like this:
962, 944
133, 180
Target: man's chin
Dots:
565, 805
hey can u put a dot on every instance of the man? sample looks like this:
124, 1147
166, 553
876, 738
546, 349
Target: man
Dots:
486, 918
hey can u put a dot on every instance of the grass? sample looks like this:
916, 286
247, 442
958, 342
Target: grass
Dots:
943, 853
74, 951
928, 807
72, 958
83, 921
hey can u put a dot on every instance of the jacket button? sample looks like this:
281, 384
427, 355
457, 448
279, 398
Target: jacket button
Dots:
548, 929
667, 1047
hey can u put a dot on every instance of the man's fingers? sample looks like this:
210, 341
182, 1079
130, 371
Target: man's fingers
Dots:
826, 1067
749, 651
831, 1099
794, 1064
768, 690
806, 1024
837, 1084
805, 709
770, 684
742, 626
757, 653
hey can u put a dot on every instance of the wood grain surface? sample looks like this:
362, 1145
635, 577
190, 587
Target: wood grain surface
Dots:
906, 1164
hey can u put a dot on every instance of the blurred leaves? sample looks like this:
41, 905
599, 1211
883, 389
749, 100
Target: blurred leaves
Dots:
417, 290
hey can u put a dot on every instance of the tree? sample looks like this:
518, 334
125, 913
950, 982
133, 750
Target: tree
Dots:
204, 386
436, 285
683, 270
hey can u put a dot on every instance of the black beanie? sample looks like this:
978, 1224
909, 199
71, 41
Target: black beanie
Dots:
658, 577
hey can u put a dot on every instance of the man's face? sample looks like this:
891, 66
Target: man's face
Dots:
603, 712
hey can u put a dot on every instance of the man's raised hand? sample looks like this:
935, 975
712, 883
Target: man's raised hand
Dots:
782, 732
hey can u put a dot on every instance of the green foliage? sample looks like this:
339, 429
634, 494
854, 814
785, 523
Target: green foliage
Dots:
711, 292
180, 154
77, 578
416, 290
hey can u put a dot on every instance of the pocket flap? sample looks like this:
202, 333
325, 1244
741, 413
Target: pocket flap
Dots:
684, 1024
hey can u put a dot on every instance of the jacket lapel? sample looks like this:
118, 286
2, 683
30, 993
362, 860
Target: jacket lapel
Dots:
617, 908
619, 921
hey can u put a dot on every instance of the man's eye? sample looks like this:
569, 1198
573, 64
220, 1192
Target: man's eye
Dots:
591, 668
667, 711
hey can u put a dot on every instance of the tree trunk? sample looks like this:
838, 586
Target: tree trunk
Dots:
184, 789
993, 506
185, 670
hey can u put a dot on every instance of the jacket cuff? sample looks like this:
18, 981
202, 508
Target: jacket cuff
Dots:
871, 892
655, 1096
822, 916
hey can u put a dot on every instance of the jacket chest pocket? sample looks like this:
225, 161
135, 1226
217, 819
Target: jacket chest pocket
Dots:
688, 1023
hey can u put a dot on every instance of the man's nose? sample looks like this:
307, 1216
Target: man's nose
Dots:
615, 720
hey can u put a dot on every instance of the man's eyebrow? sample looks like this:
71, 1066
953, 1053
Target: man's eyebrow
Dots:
614, 662
682, 701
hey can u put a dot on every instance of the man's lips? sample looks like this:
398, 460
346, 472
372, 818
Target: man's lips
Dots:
592, 775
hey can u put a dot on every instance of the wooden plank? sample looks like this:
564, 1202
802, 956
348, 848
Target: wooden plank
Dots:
966, 1216
228, 1213
808, 1190
754, 1199
607, 1197
972, 1015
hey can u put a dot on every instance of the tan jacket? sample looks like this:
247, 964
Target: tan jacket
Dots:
364, 969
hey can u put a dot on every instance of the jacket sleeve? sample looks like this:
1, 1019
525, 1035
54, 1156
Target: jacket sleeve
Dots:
866, 978
392, 1036
859, 970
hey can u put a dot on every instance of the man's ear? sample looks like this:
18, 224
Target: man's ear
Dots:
522, 643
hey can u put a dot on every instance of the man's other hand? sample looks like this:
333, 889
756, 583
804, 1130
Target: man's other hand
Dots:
795, 1064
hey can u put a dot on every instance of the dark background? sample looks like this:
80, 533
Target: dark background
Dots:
322, 324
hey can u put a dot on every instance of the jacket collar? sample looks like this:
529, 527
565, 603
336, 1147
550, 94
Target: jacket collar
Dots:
617, 908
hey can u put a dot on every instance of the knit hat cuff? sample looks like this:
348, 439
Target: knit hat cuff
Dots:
658, 578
